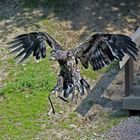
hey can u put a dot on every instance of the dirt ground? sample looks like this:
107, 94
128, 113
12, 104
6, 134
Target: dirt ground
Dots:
86, 15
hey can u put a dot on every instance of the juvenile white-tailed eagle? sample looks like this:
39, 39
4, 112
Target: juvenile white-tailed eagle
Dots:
98, 50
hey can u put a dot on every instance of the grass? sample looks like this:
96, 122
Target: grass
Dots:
89, 73
24, 99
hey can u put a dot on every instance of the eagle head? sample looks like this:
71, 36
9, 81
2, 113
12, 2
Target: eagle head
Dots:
60, 55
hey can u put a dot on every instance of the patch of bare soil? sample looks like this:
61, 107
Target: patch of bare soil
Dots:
13, 21
8, 10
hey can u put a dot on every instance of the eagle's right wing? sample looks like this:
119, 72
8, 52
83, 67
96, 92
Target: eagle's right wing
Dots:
102, 49
32, 43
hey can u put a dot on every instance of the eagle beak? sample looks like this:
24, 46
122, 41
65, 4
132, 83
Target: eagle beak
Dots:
52, 58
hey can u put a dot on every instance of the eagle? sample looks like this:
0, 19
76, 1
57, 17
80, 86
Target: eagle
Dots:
98, 51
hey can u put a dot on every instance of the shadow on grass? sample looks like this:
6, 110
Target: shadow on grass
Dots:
96, 16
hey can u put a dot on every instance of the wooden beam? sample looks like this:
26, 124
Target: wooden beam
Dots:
131, 103
105, 81
135, 90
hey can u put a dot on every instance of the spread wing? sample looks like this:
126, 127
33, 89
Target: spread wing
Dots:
32, 43
101, 49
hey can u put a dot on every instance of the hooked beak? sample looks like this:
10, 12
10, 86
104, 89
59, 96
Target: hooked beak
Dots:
52, 58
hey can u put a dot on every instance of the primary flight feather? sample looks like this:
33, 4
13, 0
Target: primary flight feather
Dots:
98, 50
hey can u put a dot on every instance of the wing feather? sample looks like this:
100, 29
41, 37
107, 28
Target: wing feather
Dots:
101, 49
32, 43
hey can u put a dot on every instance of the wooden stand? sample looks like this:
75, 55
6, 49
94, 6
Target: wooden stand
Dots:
132, 100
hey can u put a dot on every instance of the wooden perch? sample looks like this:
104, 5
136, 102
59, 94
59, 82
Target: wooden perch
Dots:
107, 79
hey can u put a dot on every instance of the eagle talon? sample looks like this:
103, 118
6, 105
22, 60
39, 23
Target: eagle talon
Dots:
52, 110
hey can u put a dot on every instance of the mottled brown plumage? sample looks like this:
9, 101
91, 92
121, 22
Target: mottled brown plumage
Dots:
99, 50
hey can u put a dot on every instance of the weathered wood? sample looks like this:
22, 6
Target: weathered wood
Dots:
129, 70
132, 93
131, 103
106, 80
135, 91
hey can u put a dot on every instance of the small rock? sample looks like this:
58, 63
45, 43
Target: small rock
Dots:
73, 126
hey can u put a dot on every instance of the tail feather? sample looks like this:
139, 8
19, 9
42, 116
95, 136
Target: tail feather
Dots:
85, 85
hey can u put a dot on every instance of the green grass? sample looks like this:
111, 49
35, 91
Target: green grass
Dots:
89, 73
30, 77
24, 99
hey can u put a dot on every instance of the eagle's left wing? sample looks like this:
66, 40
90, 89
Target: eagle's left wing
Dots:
101, 49
32, 44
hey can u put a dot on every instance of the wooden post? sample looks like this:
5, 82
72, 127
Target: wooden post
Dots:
131, 101
129, 70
